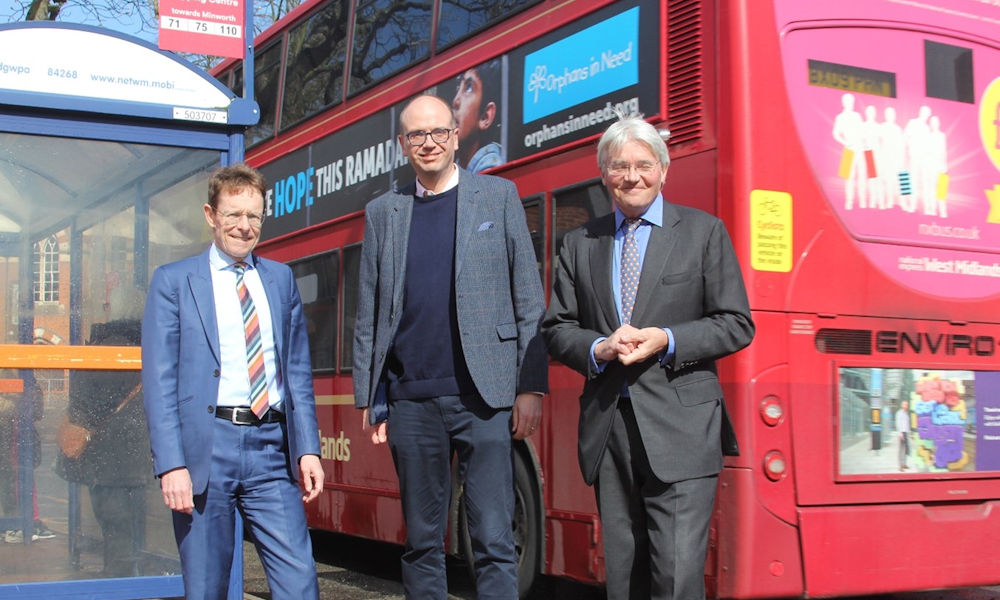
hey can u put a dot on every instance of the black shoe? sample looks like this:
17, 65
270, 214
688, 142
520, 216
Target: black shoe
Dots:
42, 532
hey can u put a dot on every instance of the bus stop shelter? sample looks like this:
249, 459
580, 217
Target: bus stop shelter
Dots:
106, 145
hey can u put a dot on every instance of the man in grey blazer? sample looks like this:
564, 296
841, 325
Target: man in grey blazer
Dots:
447, 342
645, 300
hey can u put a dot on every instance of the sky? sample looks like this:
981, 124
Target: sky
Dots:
74, 12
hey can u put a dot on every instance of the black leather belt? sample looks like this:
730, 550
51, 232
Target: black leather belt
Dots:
245, 416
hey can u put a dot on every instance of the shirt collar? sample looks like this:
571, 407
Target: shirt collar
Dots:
653, 214
452, 182
219, 261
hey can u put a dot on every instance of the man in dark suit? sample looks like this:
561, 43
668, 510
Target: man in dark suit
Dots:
449, 305
645, 300
228, 392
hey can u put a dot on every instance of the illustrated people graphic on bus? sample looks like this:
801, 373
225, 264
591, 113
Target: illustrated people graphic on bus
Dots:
847, 131
477, 112
890, 156
937, 179
917, 134
870, 136
884, 165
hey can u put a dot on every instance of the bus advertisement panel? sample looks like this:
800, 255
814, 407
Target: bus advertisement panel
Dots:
906, 153
341, 172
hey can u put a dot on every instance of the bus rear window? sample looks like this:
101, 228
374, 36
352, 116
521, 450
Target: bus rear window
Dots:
948, 72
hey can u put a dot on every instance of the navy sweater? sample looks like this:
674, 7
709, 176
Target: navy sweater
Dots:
426, 358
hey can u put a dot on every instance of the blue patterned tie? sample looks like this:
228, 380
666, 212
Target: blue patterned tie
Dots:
630, 269
255, 354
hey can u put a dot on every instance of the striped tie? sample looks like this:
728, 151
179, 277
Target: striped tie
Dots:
255, 353
630, 269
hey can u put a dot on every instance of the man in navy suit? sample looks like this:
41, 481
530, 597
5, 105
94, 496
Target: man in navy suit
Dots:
447, 340
228, 391
646, 299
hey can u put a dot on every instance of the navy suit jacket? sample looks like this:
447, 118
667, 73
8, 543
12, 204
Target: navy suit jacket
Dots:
497, 289
181, 365
690, 282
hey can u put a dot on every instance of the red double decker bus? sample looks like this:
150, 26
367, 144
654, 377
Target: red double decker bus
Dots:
852, 150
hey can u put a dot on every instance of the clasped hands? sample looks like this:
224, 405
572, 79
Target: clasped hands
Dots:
629, 345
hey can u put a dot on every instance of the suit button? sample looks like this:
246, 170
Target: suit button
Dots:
215, 373
211, 409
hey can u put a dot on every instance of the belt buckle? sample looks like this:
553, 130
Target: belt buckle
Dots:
238, 421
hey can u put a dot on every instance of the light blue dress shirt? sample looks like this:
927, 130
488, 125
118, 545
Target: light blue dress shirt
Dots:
653, 217
234, 379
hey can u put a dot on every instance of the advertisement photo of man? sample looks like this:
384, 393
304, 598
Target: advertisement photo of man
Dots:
477, 107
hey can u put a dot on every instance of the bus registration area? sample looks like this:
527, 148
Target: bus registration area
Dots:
106, 152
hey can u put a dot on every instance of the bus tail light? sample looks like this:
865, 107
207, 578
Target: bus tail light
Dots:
774, 465
771, 411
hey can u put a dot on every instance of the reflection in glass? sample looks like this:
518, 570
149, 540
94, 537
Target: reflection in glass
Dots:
533, 218
575, 206
114, 464
46, 271
462, 18
389, 36
314, 75
177, 226
352, 271
316, 279
267, 69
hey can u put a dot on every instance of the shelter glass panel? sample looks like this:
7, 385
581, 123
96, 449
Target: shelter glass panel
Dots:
89, 219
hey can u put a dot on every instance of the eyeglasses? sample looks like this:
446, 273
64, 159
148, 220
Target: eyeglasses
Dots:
643, 167
234, 218
439, 135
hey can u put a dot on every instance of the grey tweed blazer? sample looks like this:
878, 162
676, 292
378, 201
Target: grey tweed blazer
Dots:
497, 290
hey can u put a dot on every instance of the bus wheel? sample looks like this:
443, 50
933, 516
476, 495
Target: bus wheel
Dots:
527, 527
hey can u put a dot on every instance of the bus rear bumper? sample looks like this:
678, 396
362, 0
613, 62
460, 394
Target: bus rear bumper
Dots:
858, 550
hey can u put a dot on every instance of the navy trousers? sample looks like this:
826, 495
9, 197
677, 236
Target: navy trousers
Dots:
250, 476
423, 434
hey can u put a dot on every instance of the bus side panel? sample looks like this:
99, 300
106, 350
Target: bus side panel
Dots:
890, 548
573, 547
752, 553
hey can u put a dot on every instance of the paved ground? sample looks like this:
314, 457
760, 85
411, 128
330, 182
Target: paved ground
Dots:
355, 569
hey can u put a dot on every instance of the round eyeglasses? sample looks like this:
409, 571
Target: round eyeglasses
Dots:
439, 135
230, 218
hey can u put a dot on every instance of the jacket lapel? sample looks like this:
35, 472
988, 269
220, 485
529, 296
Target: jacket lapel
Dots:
399, 239
601, 255
661, 244
465, 218
274, 304
200, 284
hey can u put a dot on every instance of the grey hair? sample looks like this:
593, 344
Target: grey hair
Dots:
632, 129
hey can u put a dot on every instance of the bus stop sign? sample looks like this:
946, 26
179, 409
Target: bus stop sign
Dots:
215, 27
